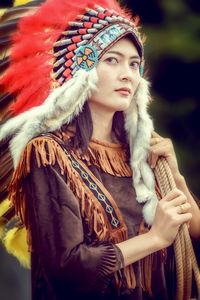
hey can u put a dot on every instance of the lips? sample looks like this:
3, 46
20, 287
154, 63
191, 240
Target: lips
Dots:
124, 91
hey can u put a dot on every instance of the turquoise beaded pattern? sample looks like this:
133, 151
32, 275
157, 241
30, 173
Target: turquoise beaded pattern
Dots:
98, 44
86, 58
97, 192
97, 28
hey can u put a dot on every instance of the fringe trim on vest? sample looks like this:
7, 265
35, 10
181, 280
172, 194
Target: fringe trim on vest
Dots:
109, 157
147, 265
48, 152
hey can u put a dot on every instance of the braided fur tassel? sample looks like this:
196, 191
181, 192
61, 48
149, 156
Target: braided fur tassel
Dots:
139, 127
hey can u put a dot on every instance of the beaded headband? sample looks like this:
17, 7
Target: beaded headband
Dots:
83, 44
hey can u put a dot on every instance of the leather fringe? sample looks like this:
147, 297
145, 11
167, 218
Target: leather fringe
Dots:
48, 152
109, 157
150, 262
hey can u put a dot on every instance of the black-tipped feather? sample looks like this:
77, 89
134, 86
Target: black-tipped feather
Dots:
17, 10
5, 218
4, 63
5, 98
6, 170
5, 41
8, 26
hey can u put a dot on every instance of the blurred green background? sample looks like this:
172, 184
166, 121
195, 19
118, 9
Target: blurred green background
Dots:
172, 56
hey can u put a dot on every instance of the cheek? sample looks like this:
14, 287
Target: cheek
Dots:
136, 82
105, 82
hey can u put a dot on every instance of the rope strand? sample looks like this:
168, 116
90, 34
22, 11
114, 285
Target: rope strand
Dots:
183, 250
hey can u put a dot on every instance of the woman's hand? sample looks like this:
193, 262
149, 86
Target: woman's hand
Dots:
172, 211
162, 147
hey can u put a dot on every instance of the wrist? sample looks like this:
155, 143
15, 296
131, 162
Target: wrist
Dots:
157, 242
179, 180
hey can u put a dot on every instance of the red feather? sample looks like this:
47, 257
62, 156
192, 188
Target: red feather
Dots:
31, 57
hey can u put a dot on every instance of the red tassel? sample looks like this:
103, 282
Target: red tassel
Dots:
67, 72
69, 63
77, 38
69, 55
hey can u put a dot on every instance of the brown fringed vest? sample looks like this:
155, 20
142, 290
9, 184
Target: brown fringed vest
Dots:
97, 206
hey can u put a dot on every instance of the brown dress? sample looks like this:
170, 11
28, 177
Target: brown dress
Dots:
65, 261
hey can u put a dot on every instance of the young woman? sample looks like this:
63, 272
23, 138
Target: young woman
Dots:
84, 184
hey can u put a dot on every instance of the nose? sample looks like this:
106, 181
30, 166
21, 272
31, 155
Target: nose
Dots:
126, 74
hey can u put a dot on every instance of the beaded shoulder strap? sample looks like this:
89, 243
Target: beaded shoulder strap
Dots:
96, 187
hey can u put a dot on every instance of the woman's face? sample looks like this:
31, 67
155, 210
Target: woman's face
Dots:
118, 73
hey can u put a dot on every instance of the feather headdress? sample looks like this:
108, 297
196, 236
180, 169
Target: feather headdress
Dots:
52, 73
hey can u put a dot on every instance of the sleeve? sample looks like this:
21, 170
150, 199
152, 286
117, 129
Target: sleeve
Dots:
58, 234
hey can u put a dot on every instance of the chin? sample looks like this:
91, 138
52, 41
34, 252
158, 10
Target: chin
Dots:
123, 106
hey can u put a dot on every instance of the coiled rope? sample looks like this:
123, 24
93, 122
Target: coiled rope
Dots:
186, 263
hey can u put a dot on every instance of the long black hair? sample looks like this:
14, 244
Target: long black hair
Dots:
84, 129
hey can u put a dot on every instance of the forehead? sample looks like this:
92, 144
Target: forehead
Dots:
124, 46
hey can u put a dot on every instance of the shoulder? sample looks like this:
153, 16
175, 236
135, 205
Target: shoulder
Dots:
44, 150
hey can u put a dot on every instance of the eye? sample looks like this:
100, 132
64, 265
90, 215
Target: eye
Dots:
112, 60
135, 64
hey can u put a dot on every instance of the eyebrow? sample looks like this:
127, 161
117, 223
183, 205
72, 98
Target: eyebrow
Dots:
121, 54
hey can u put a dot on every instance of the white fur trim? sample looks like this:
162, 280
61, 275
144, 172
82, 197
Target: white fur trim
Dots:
149, 210
139, 135
60, 107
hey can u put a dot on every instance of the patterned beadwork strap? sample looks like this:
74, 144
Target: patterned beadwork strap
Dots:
90, 183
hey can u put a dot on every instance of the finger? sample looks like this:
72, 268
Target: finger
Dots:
155, 135
175, 193
149, 159
156, 152
159, 150
177, 201
160, 147
154, 159
156, 140
183, 208
183, 218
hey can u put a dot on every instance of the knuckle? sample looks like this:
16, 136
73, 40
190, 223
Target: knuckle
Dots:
184, 197
168, 140
174, 193
153, 150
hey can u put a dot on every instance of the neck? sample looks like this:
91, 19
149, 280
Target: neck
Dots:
102, 124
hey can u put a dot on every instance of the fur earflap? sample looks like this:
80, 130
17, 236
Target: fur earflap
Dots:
139, 127
60, 107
